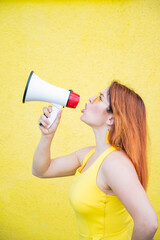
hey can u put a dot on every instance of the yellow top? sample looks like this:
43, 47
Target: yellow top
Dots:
99, 216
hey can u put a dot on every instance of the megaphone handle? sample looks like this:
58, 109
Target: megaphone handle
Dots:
55, 109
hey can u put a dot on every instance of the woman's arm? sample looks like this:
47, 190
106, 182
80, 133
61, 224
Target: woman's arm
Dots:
122, 178
45, 167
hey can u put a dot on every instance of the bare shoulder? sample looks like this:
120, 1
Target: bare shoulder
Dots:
118, 170
81, 153
117, 161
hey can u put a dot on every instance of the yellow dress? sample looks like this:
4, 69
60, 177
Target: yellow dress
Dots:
99, 216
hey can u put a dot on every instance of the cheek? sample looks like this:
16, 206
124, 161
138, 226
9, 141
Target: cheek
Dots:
96, 111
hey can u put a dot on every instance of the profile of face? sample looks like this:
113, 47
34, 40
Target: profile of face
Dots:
95, 113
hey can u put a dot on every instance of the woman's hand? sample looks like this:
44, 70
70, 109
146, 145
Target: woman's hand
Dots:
44, 122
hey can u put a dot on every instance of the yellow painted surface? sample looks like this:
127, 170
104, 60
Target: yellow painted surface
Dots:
79, 45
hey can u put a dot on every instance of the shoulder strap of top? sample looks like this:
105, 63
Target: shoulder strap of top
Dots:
105, 154
101, 157
87, 156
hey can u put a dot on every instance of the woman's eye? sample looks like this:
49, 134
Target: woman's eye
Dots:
100, 97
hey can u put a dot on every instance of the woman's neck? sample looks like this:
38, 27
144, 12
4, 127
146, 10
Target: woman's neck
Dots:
100, 137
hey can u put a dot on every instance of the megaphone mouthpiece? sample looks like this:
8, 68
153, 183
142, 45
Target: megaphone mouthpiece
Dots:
73, 100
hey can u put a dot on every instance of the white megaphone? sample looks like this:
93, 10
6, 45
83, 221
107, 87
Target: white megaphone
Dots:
38, 90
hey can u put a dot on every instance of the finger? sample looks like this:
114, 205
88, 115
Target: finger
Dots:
45, 130
50, 109
46, 112
43, 117
43, 123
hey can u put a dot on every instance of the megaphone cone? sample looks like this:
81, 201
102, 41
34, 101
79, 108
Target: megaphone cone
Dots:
39, 90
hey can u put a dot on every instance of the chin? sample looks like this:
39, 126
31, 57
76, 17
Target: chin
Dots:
83, 119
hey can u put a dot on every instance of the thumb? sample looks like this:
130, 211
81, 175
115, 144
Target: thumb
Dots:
59, 114
55, 124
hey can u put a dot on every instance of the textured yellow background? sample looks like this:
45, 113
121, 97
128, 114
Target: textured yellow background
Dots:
79, 45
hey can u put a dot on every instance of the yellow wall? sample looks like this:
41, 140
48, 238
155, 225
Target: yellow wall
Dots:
82, 45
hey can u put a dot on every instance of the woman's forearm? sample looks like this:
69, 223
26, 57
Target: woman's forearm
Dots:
42, 159
143, 232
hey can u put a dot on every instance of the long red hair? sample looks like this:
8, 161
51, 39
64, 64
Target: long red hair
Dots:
129, 132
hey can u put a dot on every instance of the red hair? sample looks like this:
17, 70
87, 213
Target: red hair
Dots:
129, 131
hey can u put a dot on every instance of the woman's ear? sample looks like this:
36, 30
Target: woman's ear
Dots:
110, 120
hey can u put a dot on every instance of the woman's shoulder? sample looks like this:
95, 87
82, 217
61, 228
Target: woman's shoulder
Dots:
117, 160
81, 153
116, 166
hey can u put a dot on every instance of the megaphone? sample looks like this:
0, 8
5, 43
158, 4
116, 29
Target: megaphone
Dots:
39, 90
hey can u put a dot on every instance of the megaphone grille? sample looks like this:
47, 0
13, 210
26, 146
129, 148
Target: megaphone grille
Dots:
26, 88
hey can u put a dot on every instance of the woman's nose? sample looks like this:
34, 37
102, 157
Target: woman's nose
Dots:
91, 99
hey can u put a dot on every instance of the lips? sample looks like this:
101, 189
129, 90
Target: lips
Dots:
84, 109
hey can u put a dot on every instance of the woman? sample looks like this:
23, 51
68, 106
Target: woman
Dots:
110, 177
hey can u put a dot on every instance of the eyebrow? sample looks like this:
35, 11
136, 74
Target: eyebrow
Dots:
102, 94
